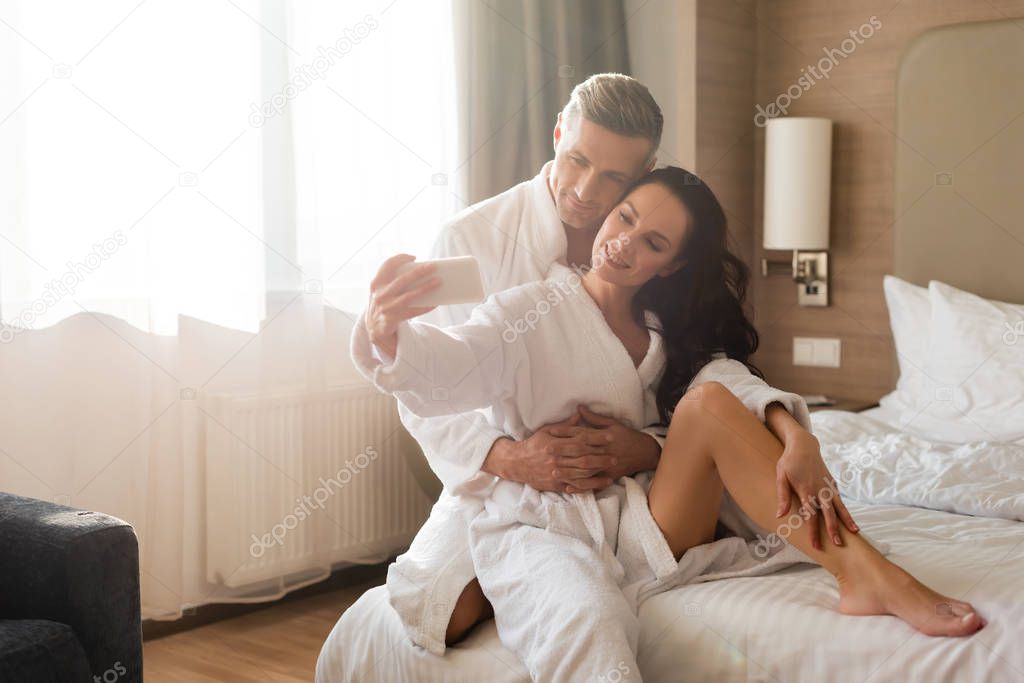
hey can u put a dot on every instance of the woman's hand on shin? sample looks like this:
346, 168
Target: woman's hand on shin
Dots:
803, 478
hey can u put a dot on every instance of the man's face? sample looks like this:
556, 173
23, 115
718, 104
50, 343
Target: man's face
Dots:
592, 170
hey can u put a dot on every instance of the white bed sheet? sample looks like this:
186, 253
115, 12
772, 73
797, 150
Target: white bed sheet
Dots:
781, 627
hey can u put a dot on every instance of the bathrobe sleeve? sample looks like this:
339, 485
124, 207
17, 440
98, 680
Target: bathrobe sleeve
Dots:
444, 371
455, 446
656, 432
751, 390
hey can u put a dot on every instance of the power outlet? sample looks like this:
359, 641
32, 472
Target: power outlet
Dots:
821, 352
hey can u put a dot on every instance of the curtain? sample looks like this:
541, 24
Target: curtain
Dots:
516, 63
375, 143
194, 159
193, 196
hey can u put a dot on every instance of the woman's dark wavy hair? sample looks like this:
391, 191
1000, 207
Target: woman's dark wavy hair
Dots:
700, 306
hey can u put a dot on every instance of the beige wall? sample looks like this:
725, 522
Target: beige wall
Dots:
662, 39
726, 54
750, 52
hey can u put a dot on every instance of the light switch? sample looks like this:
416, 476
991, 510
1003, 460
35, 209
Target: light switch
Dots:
803, 351
822, 352
826, 353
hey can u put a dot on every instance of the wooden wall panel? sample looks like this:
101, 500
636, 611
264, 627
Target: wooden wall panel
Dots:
726, 45
859, 97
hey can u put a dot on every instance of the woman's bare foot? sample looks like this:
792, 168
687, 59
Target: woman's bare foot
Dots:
884, 588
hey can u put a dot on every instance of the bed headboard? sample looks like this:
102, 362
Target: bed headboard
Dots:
959, 205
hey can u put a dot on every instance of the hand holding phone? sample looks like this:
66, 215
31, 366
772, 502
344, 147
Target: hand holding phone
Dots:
404, 289
460, 281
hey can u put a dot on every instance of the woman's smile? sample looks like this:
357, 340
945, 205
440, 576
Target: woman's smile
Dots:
610, 257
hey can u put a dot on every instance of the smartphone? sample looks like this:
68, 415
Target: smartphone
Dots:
460, 281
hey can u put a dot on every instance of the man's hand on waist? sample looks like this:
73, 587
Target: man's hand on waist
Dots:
571, 457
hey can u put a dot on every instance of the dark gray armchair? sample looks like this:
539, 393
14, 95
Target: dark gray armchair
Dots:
69, 595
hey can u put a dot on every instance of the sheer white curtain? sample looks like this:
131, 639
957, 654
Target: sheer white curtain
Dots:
125, 126
162, 159
374, 135
183, 186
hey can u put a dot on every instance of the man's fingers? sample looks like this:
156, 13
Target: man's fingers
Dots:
596, 419
566, 447
574, 474
564, 431
591, 484
571, 421
582, 435
574, 447
586, 463
596, 437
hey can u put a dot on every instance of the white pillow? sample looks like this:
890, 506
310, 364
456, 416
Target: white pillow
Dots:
910, 316
975, 370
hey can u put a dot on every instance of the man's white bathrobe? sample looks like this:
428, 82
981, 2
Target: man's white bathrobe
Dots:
517, 237
564, 572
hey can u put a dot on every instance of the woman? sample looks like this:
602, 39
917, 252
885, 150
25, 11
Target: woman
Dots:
663, 297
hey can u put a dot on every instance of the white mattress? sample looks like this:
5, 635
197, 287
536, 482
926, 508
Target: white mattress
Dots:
780, 627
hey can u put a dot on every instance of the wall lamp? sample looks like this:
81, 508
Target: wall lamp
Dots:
797, 191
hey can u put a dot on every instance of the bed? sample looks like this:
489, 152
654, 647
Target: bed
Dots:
936, 472
783, 627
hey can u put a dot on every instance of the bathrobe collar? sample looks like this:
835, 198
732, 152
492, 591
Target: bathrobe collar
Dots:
653, 363
544, 236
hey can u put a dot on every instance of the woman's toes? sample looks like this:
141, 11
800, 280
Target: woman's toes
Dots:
969, 623
956, 618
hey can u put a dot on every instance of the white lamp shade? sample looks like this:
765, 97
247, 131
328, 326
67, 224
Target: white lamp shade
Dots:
797, 183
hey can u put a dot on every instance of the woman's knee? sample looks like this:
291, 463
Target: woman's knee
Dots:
710, 399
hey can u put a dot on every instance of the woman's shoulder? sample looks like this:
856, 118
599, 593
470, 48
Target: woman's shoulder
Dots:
519, 299
559, 279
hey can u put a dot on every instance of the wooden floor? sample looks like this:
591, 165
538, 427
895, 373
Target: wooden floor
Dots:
279, 643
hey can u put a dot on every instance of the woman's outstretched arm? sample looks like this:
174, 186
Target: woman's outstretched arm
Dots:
432, 371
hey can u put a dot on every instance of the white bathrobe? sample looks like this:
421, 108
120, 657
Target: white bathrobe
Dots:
564, 572
517, 237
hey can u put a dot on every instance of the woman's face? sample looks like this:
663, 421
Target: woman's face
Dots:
642, 237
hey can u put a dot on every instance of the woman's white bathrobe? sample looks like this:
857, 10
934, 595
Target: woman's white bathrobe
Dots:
564, 572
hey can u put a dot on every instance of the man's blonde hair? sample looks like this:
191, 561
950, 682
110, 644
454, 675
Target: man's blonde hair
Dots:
619, 103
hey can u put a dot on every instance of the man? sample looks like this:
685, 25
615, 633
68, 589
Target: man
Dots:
604, 140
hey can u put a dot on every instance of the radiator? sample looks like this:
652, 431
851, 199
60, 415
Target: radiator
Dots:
303, 480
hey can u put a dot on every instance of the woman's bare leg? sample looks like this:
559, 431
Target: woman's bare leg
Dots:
471, 608
714, 441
